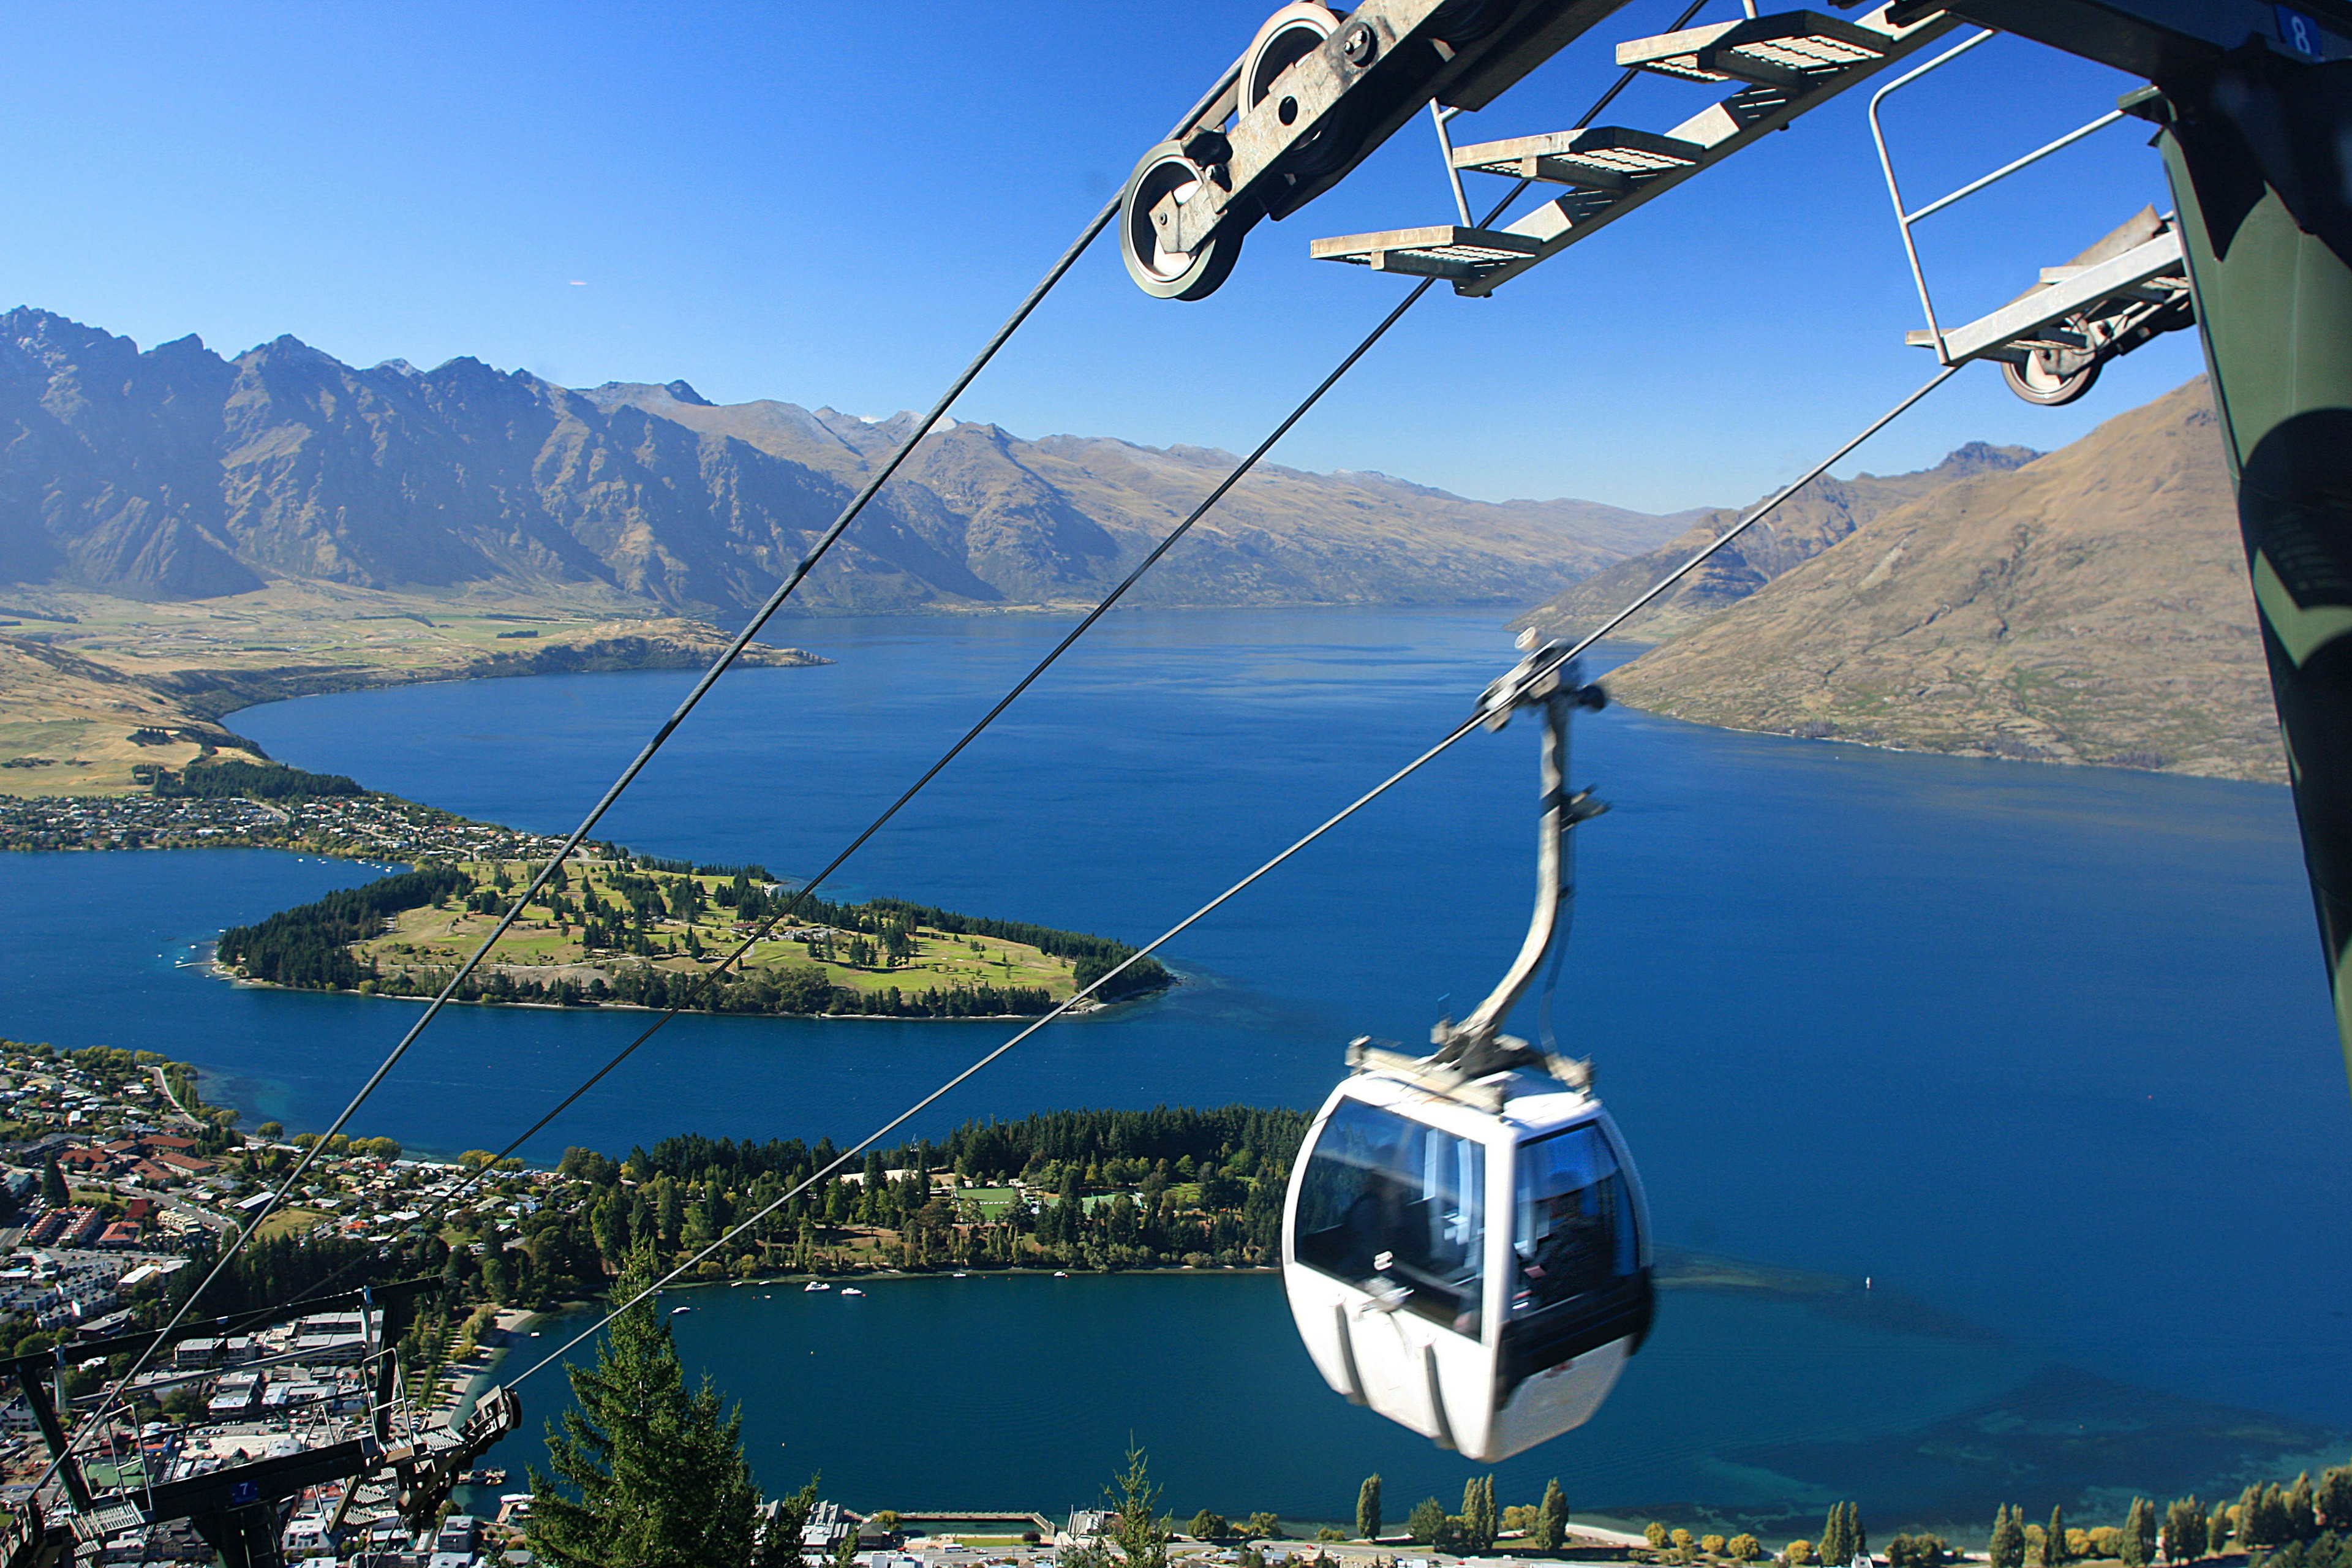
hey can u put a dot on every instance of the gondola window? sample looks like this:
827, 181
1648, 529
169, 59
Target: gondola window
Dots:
1397, 1208
1573, 1232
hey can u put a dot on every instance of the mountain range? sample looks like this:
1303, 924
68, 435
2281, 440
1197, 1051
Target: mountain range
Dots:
177, 474
2089, 605
2092, 605
1799, 529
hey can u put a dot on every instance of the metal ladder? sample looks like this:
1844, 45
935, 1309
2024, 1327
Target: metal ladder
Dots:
1786, 64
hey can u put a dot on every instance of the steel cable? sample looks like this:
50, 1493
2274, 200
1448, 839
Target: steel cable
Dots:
707, 980
751, 630
628, 775
1557, 661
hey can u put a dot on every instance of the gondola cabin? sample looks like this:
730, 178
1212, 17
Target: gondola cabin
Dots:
1470, 1262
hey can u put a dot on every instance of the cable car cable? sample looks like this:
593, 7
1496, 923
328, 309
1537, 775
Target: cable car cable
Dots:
775, 600
1218, 493
1475, 721
711, 977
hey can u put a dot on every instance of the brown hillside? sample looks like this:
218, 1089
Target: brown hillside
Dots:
1799, 529
2092, 607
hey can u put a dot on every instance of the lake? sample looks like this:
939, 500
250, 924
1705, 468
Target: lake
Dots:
2045, 1053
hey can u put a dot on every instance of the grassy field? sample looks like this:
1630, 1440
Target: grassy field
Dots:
91, 685
294, 1219
430, 937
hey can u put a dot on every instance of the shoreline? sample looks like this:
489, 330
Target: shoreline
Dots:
1081, 1010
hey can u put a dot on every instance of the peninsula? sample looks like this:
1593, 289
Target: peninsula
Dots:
632, 931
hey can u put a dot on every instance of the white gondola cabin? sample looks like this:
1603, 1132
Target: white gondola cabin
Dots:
1464, 1243
1478, 1276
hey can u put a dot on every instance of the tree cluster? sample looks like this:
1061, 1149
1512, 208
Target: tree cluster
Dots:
310, 946
225, 777
1471, 1531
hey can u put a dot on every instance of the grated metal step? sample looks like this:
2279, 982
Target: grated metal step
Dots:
1788, 50
1598, 158
1783, 66
1442, 250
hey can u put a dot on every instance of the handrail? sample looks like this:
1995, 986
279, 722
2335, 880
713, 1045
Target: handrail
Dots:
1905, 218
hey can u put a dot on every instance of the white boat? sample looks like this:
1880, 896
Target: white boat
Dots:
851, 1290
814, 1285
674, 1312
1061, 1274
959, 1274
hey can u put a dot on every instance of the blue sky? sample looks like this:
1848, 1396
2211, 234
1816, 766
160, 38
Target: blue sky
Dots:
833, 203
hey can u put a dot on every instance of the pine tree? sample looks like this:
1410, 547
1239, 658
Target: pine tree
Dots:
1135, 1522
53, 1186
2007, 1548
646, 1472
780, 1537
1552, 1517
1479, 1521
2301, 1520
2184, 1529
1832, 1545
2335, 1499
2053, 1540
1842, 1537
1368, 1508
2139, 1533
2217, 1531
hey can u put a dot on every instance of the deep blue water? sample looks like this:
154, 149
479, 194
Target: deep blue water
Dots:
2047, 1048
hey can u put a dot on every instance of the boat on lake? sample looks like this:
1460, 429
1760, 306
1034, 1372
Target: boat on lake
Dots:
814, 1285
851, 1290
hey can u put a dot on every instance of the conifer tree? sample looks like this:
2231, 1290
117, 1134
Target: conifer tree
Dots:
2217, 1531
2302, 1521
1480, 1522
2139, 1533
2053, 1540
2007, 1548
2184, 1529
1135, 1523
1368, 1508
1842, 1536
1552, 1517
2335, 1499
53, 1186
645, 1472
1833, 1550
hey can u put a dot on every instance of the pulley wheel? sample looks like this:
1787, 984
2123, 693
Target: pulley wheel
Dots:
2050, 377
1460, 22
1159, 271
1289, 35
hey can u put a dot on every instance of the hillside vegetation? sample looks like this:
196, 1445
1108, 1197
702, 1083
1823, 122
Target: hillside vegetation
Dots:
644, 934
